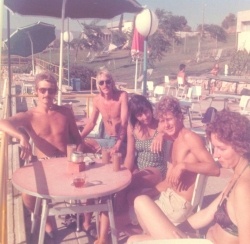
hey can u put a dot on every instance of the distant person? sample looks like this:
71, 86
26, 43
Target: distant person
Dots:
182, 74
50, 126
227, 217
215, 70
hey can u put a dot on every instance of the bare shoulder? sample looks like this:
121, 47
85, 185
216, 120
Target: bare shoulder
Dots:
121, 95
191, 138
97, 100
242, 188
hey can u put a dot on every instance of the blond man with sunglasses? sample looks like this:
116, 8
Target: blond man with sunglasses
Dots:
112, 104
50, 126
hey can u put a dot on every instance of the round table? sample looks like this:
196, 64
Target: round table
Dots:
51, 179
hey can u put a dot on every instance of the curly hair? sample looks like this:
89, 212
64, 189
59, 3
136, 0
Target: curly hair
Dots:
47, 76
167, 104
137, 104
231, 128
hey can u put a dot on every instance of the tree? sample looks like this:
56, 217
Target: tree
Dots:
160, 42
89, 38
216, 32
229, 21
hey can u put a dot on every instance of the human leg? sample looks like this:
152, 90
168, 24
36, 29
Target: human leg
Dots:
29, 202
146, 178
153, 221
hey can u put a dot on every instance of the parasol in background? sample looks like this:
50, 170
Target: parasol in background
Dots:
103, 9
137, 51
29, 40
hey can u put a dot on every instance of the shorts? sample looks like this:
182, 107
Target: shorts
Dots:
175, 207
108, 141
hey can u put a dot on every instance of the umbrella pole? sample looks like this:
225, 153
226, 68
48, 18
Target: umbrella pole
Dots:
59, 102
32, 54
136, 71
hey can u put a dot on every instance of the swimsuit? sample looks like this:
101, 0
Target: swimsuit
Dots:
221, 216
146, 158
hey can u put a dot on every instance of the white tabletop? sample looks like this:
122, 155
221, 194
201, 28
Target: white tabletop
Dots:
51, 179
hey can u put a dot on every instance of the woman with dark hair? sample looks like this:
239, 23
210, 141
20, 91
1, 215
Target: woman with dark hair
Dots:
230, 137
148, 168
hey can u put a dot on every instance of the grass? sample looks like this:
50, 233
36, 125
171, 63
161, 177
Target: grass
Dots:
123, 69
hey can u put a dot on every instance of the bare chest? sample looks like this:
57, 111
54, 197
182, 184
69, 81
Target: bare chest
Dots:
48, 125
110, 109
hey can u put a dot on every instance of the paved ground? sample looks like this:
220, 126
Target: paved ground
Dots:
214, 184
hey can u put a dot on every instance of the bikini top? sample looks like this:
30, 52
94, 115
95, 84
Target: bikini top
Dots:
221, 215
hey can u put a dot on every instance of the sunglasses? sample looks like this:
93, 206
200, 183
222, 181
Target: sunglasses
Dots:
51, 91
101, 82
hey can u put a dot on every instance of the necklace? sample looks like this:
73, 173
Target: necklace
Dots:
107, 107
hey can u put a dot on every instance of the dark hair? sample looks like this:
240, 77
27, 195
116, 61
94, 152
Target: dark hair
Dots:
137, 104
182, 66
167, 104
47, 76
231, 128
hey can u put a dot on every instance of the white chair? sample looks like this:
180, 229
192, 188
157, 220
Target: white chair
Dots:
169, 86
244, 102
181, 87
175, 241
194, 93
159, 91
150, 87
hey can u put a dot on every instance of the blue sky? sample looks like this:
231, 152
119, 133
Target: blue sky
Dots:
214, 12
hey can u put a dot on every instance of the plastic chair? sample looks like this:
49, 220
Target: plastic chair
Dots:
244, 102
159, 91
194, 93
181, 87
150, 87
169, 86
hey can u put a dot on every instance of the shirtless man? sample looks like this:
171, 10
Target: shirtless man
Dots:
182, 74
112, 104
50, 126
188, 158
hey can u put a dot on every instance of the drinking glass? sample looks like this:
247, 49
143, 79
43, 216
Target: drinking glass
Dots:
70, 148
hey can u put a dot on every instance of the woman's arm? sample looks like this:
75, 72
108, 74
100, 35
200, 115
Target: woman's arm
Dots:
130, 156
205, 216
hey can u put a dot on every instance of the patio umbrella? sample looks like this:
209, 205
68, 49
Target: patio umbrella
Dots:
29, 40
103, 9
137, 51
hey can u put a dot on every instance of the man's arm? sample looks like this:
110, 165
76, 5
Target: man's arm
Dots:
10, 126
204, 164
73, 130
92, 122
124, 122
160, 187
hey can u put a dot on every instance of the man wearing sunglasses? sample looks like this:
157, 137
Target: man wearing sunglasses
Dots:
50, 126
112, 104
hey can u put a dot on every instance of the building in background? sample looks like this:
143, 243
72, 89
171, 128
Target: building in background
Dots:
243, 30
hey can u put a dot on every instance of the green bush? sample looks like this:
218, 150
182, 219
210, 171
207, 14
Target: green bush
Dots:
22, 68
84, 74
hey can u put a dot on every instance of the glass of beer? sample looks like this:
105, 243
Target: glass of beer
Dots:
117, 160
70, 148
106, 155
79, 179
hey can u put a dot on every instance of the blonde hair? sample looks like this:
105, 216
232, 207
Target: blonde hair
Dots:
107, 73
